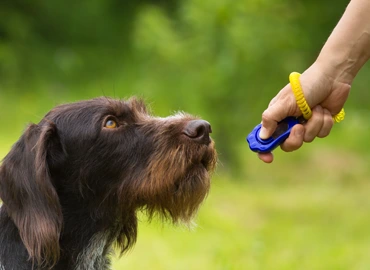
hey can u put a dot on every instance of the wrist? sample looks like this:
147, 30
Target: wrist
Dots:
337, 66
341, 60
324, 85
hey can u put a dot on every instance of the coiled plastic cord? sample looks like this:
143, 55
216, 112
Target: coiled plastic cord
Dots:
301, 101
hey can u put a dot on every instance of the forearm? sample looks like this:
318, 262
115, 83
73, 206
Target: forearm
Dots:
348, 47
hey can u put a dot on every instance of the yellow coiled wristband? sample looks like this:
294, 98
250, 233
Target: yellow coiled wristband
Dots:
301, 101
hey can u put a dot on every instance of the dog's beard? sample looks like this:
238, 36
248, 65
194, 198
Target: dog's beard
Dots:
179, 183
181, 201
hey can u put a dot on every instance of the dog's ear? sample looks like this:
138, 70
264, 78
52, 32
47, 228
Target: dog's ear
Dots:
29, 195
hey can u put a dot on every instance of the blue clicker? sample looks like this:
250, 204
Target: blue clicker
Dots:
256, 144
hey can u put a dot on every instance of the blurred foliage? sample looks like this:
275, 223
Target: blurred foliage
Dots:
222, 60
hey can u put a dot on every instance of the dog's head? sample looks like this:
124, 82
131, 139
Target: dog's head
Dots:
115, 158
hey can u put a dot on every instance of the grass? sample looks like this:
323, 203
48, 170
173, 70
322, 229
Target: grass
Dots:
264, 226
308, 210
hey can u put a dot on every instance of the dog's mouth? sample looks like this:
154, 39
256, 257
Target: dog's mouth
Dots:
208, 159
204, 162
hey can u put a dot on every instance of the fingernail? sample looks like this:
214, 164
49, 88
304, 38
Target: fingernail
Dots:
263, 133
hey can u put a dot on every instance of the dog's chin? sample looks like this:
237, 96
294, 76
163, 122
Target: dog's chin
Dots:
189, 195
180, 202
180, 199
191, 189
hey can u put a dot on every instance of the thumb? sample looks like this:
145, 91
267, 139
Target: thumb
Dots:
278, 111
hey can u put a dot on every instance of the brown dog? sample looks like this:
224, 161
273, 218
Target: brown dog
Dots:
72, 185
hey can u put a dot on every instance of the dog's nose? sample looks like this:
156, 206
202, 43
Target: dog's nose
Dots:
198, 130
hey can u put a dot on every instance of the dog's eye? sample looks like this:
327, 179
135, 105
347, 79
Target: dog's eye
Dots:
111, 124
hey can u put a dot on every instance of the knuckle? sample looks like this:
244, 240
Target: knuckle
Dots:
266, 116
309, 138
291, 145
318, 109
323, 134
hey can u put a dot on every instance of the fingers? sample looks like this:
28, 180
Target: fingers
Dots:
327, 125
269, 123
318, 89
319, 125
314, 125
277, 111
266, 157
295, 139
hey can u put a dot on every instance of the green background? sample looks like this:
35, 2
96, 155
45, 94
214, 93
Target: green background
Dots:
222, 60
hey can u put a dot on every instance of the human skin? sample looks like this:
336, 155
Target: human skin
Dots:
326, 83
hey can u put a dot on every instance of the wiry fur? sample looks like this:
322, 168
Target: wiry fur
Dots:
71, 187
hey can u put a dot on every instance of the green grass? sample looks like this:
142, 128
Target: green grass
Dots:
252, 226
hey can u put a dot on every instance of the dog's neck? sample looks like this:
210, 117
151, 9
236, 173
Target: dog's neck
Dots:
86, 248
89, 246
94, 256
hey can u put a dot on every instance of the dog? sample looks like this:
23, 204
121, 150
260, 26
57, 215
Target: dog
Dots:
72, 185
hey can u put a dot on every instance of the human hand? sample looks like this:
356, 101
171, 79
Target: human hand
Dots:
323, 92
